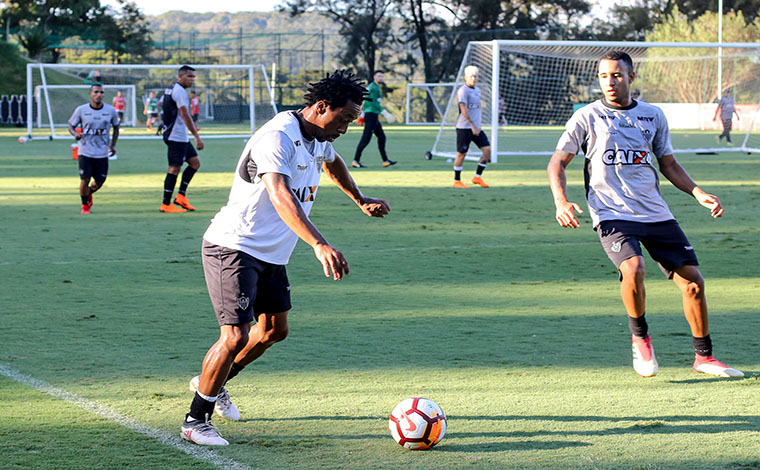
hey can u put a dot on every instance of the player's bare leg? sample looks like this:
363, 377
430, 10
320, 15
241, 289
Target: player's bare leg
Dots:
458, 162
633, 293
270, 329
218, 360
485, 158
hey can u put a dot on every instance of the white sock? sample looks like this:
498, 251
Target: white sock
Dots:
207, 398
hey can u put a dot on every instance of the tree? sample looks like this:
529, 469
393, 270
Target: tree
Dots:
128, 33
365, 25
697, 79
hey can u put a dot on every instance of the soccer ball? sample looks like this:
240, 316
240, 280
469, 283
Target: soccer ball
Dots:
23, 139
417, 423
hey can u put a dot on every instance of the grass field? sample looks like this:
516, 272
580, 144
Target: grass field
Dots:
474, 298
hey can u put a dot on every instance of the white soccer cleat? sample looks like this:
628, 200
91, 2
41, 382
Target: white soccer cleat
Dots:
644, 362
223, 406
203, 433
712, 366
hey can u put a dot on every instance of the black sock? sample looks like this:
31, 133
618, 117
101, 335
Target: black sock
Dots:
234, 370
638, 326
481, 167
702, 346
457, 174
169, 182
85, 199
200, 407
187, 175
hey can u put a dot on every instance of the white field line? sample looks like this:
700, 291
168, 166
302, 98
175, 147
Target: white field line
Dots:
303, 252
171, 440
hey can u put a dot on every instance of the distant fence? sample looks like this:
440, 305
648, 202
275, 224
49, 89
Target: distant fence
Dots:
13, 109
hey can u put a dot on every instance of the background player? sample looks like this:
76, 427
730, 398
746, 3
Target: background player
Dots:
120, 104
620, 137
195, 108
372, 109
468, 129
95, 119
726, 110
151, 110
176, 122
250, 240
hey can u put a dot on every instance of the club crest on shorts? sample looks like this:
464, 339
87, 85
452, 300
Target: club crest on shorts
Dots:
616, 246
243, 301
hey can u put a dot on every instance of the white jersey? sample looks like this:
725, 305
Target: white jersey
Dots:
622, 182
175, 97
95, 125
249, 221
470, 96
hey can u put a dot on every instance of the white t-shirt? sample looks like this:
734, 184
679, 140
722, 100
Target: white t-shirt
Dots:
175, 98
471, 99
249, 221
620, 145
95, 124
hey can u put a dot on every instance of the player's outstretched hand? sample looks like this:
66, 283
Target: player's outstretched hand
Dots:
374, 207
566, 214
712, 202
333, 262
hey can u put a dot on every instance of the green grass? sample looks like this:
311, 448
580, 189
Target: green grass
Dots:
474, 298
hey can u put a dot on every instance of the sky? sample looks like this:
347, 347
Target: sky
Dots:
156, 7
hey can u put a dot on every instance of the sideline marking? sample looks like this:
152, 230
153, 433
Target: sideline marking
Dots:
200, 453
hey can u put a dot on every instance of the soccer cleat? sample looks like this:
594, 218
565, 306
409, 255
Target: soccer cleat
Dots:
479, 181
356, 164
644, 362
459, 184
203, 433
181, 200
387, 163
86, 209
171, 208
223, 406
712, 366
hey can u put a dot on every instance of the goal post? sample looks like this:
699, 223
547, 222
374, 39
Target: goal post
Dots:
426, 102
528, 83
235, 99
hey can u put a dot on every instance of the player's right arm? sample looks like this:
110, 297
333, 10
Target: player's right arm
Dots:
290, 211
75, 120
565, 210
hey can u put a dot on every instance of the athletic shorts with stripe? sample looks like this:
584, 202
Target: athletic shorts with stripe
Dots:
241, 286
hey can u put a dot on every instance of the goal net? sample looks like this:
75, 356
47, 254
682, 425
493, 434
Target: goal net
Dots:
539, 84
426, 102
234, 99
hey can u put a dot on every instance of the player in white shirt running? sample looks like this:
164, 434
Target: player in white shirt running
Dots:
250, 240
621, 138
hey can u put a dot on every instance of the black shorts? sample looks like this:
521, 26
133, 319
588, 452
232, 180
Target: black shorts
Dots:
153, 115
121, 115
195, 117
665, 242
465, 136
96, 168
179, 152
241, 286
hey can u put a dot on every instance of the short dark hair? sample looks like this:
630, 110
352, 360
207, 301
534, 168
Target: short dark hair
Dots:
619, 55
184, 69
336, 89
378, 71
96, 84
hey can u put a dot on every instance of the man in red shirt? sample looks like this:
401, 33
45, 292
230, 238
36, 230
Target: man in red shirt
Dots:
195, 108
120, 103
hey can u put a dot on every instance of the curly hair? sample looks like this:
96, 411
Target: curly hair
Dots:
336, 89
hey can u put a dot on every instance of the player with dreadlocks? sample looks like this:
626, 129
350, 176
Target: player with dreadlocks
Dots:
250, 240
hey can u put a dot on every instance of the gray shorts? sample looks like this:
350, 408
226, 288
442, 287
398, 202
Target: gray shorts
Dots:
665, 242
241, 286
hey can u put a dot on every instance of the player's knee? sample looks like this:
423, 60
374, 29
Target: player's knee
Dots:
275, 335
633, 271
694, 289
235, 339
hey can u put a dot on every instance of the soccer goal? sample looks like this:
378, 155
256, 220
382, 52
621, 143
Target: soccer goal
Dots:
426, 102
235, 99
539, 84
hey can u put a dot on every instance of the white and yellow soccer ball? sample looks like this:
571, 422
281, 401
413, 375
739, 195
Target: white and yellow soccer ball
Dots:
417, 423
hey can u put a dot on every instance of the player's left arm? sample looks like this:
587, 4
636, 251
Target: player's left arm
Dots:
677, 175
338, 172
114, 138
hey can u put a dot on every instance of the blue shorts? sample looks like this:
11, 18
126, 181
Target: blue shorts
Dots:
665, 242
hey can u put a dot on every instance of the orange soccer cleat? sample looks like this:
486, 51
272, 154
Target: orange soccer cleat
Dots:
459, 184
479, 181
171, 209
181, 200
